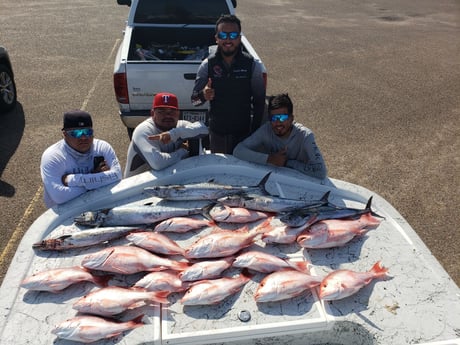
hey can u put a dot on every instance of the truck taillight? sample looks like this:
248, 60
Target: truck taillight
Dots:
264, 75
121, 88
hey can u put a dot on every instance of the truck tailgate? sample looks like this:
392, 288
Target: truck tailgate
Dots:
144, 82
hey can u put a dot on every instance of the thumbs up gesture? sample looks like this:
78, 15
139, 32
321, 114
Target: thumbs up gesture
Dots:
208, 91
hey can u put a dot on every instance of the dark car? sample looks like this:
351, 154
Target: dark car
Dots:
8, 94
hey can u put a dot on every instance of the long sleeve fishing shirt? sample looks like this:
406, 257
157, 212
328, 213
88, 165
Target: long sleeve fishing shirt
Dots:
302, 152
145, 154
60, 159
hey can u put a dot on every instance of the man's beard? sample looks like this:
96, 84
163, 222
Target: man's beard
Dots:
229, 53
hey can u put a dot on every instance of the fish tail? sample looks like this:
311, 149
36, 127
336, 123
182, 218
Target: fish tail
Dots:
368, 208
205, 211
263, 227
180, 266
160, 297
378, 270
302, 266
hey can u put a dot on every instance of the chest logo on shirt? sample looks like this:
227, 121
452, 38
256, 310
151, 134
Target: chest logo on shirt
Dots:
217, 70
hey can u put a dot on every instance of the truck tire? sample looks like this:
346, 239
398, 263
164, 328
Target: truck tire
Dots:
8, 94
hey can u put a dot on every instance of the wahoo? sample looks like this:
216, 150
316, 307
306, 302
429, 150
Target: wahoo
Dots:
137, 214
204, 191
84, 238
268, 203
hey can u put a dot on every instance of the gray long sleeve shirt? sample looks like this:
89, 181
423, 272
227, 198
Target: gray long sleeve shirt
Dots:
145, 154
302, 152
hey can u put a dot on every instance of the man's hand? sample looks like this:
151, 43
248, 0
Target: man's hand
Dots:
278, 158
164, 137
101, 167
184, 145
208, 91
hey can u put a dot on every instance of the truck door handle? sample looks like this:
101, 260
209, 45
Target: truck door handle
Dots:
190, 76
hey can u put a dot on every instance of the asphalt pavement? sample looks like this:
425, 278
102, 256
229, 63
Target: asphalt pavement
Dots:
378, 83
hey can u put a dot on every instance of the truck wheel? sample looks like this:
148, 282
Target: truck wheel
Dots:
8, 94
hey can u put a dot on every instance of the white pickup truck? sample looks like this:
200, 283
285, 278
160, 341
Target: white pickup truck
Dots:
163, 45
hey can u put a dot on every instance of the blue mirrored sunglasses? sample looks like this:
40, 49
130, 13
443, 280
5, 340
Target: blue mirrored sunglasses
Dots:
280, 117
78, 133
222, 35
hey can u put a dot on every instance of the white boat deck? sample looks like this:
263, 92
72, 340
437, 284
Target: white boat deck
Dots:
418, 304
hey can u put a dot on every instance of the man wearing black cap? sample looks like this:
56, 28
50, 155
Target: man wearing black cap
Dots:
78, 162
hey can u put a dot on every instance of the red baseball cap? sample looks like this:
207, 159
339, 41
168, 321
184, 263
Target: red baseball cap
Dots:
165, 100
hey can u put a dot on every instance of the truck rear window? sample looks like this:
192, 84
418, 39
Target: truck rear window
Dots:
180, 11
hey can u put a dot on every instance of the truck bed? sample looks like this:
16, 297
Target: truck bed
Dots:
170, 44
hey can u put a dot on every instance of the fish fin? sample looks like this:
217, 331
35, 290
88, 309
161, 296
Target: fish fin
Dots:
325, 197
263, 183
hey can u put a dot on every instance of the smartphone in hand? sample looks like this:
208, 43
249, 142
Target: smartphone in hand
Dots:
97, 162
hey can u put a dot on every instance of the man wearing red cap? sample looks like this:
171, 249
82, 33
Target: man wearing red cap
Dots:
160, 141
78, 162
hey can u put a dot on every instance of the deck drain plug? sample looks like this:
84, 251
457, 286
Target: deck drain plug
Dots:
244, 315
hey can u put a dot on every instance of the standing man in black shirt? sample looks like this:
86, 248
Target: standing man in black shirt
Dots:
232, 81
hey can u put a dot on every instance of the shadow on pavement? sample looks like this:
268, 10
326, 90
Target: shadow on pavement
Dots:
11, 130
